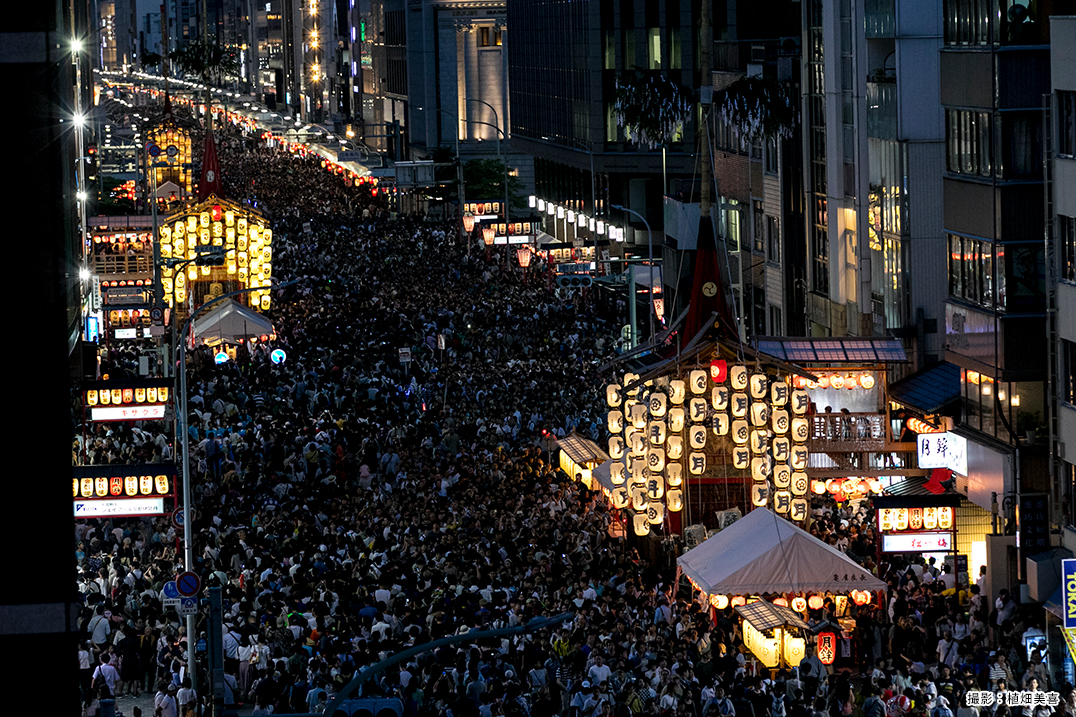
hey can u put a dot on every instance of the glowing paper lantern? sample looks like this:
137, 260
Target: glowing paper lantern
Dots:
674, 475
655, 512
696, 463
759, 441
130, 485
675, 501
674, 448
697, 410
799, 457
86, 487
760, 413
100, 486
759, 383
697, 381
798, 483
850, 381
794, 649
641, 524
719, 398
655, 487
801, 430
720, 602
676, 420
637, 442
779, 393
719, 370
657, 404
867, 381
836, 381
630, 378
781, 448
612, 395
720, 424
739, 405
945, 518
677, 391
740, 432
639, 473
617, 473
782, 476
615, 421
782, 501
655, 459
616, 447
738, 378
861, 597
760, 494
639, 499
741, 457
638, 415
738, 601
827, 644
815, 602
656, 431
620, 497
801, 402
780, 422
696, 437
761, 469
818, 487
799, 604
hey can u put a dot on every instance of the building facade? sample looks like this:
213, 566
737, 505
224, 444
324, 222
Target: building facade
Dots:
873, 156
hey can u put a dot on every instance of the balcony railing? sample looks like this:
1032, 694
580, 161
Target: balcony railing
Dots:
882, 108
106, 264
847, 432
880, 18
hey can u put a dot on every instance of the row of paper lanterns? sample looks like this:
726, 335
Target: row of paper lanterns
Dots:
799, 604
864, 380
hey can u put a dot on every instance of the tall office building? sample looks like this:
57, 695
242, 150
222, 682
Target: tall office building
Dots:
995, 71
873, 156
563, 65
1061, 216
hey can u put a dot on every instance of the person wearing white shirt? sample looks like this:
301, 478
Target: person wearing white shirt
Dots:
599, 672
164, 703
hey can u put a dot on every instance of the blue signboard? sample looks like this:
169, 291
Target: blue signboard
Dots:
1068, 591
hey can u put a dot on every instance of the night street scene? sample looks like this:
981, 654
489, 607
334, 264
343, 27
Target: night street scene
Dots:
542, 358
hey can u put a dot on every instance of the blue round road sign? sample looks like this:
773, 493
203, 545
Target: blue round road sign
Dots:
188, 584
221, 357
278, 356
153, 149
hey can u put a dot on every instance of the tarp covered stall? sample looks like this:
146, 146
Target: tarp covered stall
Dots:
763, 554
579, 457
230, 323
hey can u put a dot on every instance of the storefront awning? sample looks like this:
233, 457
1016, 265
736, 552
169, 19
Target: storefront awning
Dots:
833, 350
765, 616
930, 389
582, 451
1055, 603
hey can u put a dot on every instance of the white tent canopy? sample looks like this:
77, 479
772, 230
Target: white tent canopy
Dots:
762, 553
230, 322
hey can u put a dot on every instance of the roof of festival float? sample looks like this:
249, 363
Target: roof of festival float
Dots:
762, 553
582, 450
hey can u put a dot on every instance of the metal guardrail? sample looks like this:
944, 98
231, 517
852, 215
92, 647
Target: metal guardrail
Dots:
847, 432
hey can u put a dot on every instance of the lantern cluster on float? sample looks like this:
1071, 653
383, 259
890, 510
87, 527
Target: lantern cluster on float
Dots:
660, 432
179, 162
242, 235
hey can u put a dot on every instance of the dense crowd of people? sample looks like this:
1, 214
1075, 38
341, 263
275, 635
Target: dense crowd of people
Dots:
351, 505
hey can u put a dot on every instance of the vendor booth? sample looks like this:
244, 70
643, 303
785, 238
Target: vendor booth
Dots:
231, 323
764, 555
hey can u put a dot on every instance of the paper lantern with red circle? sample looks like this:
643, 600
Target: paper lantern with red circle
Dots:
719, 601
836, 381
850, 381
799, 604
818, 487
719, 370
780, 602
815, 602
833, 485
823, 381
739, 600
861, 597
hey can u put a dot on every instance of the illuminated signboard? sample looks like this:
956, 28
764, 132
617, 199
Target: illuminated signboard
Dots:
943, 450
128, 333
901, 519
128, 413
1068, 587
127, 400
123, 481
112, 508
938, 542
514, 239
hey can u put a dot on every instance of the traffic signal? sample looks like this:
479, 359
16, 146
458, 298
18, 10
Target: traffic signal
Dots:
574, 281
376, 707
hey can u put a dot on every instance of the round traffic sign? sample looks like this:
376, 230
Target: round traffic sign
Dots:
170, 590
156, 313
188, 584
278, 356
172, 150
221, 357
153, 149
177, 518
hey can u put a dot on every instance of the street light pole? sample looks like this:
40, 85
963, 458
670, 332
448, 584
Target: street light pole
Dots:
181, 420
650, 246
504, 160
459, 169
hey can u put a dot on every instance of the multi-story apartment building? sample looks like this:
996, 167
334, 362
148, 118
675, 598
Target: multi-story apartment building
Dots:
1061, 216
